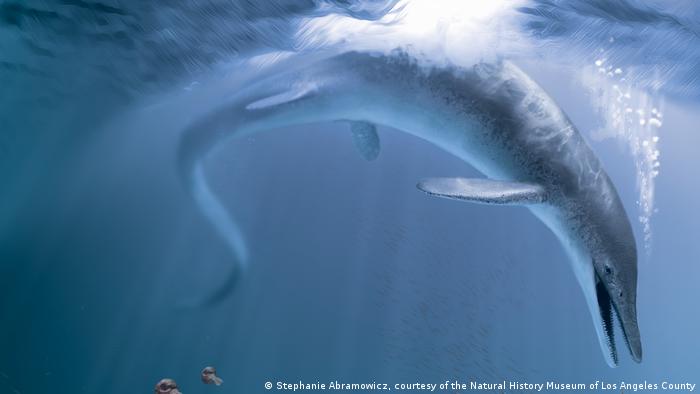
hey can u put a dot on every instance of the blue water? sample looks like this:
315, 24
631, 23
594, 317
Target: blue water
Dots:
354, 276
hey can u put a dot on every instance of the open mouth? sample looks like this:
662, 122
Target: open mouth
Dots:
606, 314
609, 313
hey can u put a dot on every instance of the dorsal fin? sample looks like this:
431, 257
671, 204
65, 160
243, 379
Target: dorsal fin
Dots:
485, 191
366, 139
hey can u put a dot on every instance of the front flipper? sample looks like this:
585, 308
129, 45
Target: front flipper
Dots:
485, 191
366, 139
294, 93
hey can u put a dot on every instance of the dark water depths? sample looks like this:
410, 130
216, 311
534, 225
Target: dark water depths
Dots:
354, 275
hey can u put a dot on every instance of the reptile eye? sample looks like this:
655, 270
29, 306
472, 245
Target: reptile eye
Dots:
608, 270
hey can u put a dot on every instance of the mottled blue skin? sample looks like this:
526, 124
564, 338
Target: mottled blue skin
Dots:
492, 116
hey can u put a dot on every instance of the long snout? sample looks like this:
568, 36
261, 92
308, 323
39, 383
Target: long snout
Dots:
627, 314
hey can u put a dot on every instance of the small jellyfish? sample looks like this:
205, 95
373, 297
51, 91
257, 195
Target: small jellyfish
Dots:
209, 376
167, 386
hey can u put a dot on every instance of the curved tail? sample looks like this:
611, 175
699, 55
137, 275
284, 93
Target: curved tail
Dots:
195, 143
217, 214
281, 100
235, 118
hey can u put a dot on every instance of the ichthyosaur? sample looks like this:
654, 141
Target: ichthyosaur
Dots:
491, 115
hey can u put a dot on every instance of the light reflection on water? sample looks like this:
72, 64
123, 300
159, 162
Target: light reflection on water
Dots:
356, 275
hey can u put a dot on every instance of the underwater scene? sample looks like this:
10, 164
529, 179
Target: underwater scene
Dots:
234, 196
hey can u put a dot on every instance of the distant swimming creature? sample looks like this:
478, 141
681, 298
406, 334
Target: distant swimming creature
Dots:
209, 376
491, 115
167, 386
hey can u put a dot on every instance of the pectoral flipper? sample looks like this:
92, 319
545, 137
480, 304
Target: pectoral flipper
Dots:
485, 191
